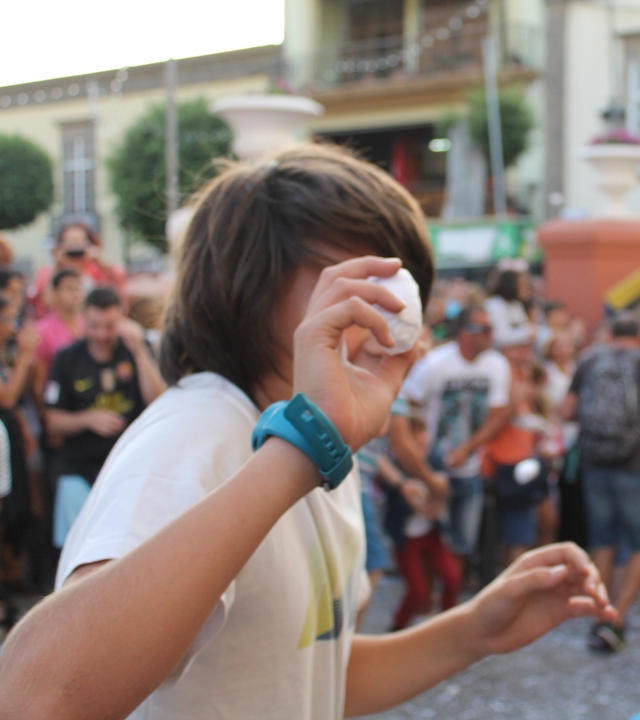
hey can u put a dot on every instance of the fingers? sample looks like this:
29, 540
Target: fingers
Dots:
356, 269
587, 593
559, 553
343, 288
535, 580
581, 576
587, 607
331, 322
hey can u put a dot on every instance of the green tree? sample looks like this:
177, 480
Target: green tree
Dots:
26, 181
517, 121
137, 168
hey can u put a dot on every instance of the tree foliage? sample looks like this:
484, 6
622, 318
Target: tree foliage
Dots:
517, 121
26, 181
137, 168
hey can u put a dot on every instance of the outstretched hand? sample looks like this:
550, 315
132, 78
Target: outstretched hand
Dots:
357, 399
538, 592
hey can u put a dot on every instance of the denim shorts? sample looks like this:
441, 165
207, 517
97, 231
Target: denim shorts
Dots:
518, 526
612, 498
377, 555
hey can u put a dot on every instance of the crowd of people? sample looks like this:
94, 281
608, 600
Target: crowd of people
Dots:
75, 372
484, 404
481, 423
489, 450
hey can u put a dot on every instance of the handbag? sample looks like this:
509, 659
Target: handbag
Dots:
513, 495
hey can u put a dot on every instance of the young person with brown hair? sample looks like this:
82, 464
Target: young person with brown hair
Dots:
206, 580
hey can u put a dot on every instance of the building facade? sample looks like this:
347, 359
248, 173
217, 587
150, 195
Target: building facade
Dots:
79, 120
387, 72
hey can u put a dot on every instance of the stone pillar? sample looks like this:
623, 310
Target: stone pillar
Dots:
584, 259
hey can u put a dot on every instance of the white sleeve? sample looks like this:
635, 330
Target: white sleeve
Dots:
154, 475
499, 382
5, 461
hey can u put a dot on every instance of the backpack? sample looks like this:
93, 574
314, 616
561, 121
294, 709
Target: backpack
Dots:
609, 408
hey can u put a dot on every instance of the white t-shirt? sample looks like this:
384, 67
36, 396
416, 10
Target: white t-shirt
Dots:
277, 645
456, 395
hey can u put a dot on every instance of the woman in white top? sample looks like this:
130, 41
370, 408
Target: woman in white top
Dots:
509, 320
559, 368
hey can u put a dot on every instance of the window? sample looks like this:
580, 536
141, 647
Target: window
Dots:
633, 96
78, 168
375, 19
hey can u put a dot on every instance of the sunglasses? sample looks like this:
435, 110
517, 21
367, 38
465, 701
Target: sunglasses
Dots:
477, 328
80, 252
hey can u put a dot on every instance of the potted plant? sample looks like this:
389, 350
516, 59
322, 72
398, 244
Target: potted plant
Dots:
615, 156
263, 123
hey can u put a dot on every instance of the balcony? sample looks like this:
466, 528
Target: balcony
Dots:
437, 53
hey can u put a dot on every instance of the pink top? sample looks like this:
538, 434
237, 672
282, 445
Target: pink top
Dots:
93, 274
54, 335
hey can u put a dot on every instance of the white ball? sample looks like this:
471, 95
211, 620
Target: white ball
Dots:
406, 325
526, 471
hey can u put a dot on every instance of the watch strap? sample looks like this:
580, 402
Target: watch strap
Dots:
302, 423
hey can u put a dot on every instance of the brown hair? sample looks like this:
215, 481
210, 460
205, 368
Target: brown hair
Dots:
253, 226
7, 255
92, 235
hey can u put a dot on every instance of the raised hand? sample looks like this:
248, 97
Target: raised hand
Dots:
105, 422
132, 335
27, 339
541, 590
357, 398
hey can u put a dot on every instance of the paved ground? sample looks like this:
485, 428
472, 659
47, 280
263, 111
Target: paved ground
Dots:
554, 679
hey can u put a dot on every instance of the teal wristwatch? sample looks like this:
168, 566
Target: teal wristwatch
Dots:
302, 423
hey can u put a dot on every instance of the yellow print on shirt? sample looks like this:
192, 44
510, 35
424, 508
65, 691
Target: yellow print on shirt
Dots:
83, 385
329, 573
115, 402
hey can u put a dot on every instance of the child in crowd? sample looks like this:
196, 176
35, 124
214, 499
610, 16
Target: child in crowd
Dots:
204, 578
412, 520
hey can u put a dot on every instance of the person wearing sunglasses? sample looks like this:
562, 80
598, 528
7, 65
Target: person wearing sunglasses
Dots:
462, 389
78, 248
15, 514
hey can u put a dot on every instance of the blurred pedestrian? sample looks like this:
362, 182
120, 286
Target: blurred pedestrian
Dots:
463, 390
509, 289
97, 387
413, 519
505, 456
605, 398
62, 326
77, 247
17, 508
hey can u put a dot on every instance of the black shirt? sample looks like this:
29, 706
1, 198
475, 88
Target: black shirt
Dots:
76, 383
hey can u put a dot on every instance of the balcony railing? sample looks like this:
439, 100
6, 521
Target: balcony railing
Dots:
439, 51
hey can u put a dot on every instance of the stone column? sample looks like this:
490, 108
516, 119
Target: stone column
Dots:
584, 259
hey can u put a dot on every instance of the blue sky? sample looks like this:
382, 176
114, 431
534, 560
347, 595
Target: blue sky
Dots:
43, 39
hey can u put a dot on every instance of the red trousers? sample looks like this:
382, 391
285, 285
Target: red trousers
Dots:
426, 551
